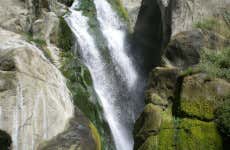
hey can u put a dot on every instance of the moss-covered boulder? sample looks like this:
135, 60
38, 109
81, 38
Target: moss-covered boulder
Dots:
147, 124
195, 134
187, 134
161, 85
200, 96
162, 141
154, 98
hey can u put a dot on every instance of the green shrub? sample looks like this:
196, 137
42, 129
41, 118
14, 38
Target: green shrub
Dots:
218, 25
65, 36
223, 117
216, 63
208, 24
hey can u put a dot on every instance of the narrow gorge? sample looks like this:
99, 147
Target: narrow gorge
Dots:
114, 74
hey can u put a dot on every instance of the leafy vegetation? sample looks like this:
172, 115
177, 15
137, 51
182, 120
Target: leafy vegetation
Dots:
216, 63
223, 117
217, 25
65, 37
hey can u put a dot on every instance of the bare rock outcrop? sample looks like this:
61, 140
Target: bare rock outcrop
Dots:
35, 103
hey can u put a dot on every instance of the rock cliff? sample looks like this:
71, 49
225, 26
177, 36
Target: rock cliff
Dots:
35, 104
191, 82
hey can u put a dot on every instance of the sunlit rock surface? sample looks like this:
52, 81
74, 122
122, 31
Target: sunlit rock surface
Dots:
35, 104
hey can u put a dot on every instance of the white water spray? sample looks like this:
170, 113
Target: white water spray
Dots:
112, 29
103, 76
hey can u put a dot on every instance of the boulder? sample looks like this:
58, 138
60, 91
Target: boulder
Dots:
147, 124
189, 135
35, 103
79, 134
200, 96
184, 49
161, 85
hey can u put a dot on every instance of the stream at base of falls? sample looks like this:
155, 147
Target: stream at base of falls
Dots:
117, 81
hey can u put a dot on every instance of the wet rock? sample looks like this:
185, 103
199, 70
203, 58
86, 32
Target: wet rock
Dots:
147, 124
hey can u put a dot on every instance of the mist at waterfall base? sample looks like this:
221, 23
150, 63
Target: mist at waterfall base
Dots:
117, 83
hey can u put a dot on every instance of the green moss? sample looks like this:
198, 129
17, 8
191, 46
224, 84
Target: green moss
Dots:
147, 124
198, 135
149, 121
162, 141
150, 144
166, 141
189, 134
96, 136
200, 108
167, 118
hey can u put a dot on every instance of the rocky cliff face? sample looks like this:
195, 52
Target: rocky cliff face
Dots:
35, 103
185, 92
33, 93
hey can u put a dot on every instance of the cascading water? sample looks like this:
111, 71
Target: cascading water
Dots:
111, 27
114, 82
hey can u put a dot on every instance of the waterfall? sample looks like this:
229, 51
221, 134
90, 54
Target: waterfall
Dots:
111, 27
114, 82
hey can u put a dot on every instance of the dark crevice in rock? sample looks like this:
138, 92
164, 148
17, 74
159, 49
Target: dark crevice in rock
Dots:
147, 36
184, 115
5, 140
166, 16
67, 2
152, 32
7, 64
177, 96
